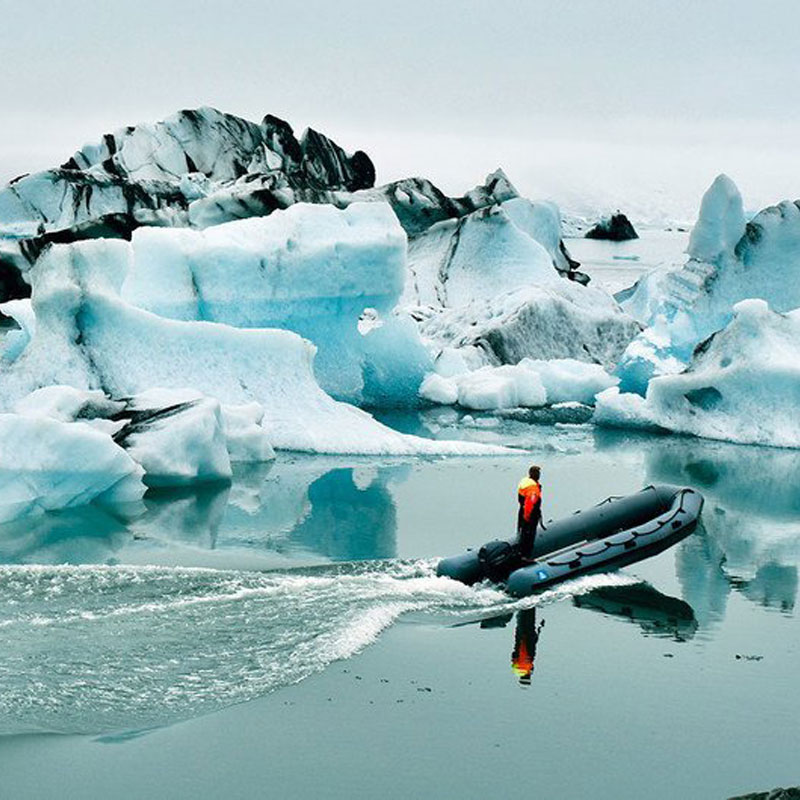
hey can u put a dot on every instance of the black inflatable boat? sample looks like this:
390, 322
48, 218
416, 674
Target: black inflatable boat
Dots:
618, 531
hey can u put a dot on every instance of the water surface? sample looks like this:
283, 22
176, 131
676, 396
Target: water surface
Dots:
230, 636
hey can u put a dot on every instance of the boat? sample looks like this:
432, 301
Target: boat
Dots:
616, 532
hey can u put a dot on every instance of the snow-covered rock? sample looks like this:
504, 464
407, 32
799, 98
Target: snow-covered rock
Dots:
46, 464
89, 338
616, 228
743, 385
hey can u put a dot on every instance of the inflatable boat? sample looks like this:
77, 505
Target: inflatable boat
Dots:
616, 532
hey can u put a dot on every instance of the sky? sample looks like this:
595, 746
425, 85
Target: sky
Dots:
597, 104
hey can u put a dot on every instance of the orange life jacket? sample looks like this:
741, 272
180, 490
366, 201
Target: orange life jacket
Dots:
530, 496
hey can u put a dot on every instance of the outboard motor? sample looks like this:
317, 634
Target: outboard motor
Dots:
497, 558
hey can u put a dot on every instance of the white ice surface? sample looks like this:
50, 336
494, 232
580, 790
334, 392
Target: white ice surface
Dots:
312, 269
46, 464
743, 386
89, 338
531, 383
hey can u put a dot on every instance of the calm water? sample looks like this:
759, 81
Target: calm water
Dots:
287, 633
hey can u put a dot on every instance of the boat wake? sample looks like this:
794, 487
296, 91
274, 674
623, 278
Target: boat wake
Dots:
92, 649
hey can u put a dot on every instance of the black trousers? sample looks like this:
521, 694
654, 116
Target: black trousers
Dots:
527, 536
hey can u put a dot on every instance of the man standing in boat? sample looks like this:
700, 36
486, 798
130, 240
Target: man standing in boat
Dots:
529, 515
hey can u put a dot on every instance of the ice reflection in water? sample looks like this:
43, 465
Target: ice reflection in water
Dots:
120, 647
297, 511
749, 541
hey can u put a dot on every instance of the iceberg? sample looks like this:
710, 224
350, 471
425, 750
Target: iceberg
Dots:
311, 269
179, 437
616, 228
491, 284
89, 338
493, 250
743, 385
46, 464
729, 260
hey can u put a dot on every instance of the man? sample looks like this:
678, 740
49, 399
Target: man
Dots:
529, 497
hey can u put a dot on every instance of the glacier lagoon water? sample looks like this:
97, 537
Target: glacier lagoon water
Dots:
286, 634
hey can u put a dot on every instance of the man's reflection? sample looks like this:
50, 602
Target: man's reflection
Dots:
526, 638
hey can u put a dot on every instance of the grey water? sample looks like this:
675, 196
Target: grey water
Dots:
286, 634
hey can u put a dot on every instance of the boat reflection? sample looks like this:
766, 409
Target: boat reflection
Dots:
655, 613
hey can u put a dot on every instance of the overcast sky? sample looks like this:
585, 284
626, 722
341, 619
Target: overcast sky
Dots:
616, 102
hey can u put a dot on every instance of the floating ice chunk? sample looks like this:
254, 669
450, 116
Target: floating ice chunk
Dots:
46, 464
438, 389
615, 409
177, 437
508, 386
568, 380
729, 261
312, 269
246, 439
743, 384
531, 383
